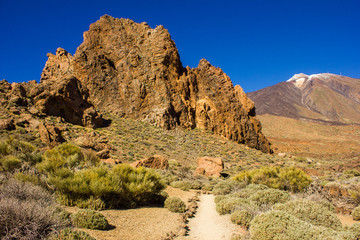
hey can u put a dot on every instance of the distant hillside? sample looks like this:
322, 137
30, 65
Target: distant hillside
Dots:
307, 139
322, 97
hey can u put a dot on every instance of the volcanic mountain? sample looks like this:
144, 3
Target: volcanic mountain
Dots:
133, 71
324, 97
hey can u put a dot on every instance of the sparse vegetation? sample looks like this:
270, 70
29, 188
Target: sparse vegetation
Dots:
78, 177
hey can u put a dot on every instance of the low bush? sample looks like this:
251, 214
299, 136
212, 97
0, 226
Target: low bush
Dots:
79, 181
281, 225
208, 187
101, 187
24, 151
183, 185
26, 192
352, 172
241, 217
225, 187
230, 204
10, 163
249, 190
355, 213
218, 198
89, 219
69, 234
175, 204
66, 157
268, 197
27, 177
354, 191
327, 205
186, 185
311, 212
354, 231
291, 179
26, 212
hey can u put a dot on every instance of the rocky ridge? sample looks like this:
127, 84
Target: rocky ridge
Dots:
134, 71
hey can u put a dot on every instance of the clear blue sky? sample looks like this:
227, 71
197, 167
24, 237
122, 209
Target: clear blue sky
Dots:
257, 43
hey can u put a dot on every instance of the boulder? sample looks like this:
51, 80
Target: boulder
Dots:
209, 166
111, 161
7, 124
156, 161
103, 154
50, 135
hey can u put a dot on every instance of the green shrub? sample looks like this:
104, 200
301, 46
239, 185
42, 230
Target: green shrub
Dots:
356, 213
208, 187
69, 234
353, 172
354, 231
354, 191
241, 217
186, 185
249, 190
218, 198
225, 187
24, 151
175, 204
291, 178
311, 212
65, 156
79, 181
230, 204
281, 225
183, 185
27, 177
10, 163
269, 197
89, 219
326, 204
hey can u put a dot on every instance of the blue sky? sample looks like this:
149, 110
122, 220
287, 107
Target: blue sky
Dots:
257, 43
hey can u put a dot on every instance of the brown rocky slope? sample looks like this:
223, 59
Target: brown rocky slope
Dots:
134, 71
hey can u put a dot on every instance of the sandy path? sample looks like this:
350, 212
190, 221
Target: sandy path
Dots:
208, 224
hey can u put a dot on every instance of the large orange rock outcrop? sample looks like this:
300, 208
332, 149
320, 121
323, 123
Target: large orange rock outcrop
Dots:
135, 71
209, 166
156, 161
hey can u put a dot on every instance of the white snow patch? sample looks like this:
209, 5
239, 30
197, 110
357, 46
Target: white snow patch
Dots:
300, 79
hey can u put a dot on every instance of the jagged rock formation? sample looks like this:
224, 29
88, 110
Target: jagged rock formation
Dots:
135, 71
63, 97
326, 98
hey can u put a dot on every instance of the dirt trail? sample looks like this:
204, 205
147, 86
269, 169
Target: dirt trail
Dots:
208, 224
